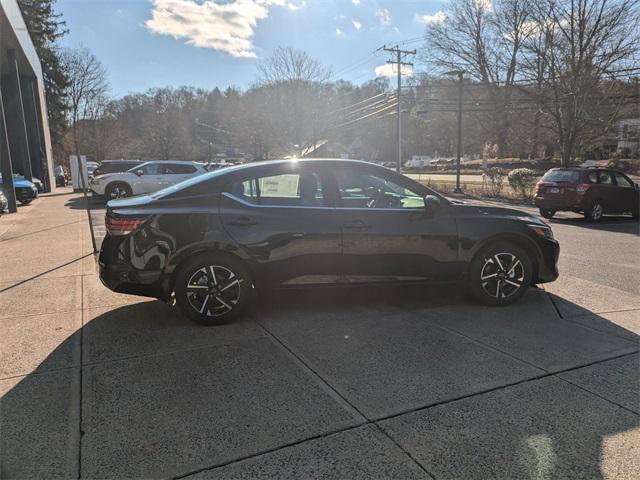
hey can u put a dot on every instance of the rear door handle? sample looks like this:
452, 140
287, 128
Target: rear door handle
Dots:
243, 222
356, 225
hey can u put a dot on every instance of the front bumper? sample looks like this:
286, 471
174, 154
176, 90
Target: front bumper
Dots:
548, 261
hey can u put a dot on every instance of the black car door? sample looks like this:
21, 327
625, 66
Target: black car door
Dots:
387, 232
626, 194
281, 218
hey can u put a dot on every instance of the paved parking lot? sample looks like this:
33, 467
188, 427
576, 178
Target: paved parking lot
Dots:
363, 383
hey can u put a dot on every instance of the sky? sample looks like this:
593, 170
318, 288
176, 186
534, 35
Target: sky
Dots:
217, 43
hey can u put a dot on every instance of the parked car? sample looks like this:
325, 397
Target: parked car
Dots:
115, 166
4, 203
38, 183
62, 179
590, 191
145, 178
213, 238
26, 191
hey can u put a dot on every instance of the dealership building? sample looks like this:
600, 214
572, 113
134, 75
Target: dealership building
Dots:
25, 143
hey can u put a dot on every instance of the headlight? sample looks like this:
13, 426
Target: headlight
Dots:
542, 230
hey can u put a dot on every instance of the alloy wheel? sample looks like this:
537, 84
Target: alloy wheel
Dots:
502, 275
596, 211
213, 290
117, 192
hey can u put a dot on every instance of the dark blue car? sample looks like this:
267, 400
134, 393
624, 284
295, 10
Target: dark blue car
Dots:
26, 191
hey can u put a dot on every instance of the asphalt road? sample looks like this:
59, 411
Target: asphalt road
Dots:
406, 383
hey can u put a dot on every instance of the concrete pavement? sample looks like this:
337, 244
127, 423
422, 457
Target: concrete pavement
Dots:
364, 383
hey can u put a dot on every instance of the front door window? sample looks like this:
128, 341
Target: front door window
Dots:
366, 190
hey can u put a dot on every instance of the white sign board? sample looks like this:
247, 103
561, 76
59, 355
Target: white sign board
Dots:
280, 186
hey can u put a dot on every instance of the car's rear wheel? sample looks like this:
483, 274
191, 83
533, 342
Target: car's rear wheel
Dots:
546, 213
595, 212
26, 201
213, 289
118, 190
500, 274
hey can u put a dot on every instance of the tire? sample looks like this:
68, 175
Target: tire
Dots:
515, 268
227, 291
595, 212
26, 202
117, 190
547, 213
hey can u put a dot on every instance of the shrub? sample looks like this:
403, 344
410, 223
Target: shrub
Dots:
523, 180
496, 179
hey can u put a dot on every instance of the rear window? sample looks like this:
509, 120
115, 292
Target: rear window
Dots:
562, 176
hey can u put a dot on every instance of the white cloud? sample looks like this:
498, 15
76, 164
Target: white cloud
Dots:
356, 24
437, 17
389, 70
227, 27
339, 32
384, 17
355, 2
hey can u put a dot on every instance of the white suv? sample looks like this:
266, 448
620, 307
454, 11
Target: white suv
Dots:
145, 178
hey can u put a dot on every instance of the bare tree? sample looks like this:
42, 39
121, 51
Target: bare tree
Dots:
484, 39
286, 65
579, 50
87, 85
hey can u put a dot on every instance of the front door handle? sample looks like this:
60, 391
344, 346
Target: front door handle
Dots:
243, 222
357, 225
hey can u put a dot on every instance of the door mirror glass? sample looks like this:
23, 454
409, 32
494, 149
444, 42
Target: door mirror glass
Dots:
431, 204
140, 172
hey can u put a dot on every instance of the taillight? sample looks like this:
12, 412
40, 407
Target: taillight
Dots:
582, 188
539, 186
122, 226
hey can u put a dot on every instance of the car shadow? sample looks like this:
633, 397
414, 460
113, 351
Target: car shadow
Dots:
79, 203
611, 223
35, 443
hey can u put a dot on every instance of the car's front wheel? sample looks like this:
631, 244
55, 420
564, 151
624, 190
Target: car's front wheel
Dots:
546, 213
213, 289
500, 274
117, 190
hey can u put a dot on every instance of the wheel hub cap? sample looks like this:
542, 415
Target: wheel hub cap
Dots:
502, 275
213, 290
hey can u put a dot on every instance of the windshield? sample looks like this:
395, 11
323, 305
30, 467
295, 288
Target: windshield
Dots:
562, 176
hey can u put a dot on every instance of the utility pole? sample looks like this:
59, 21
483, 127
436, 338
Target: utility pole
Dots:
399, 64
460, 74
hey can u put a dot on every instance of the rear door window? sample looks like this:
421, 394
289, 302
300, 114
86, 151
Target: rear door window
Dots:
562, 176
606, 178
179, 169
287, 189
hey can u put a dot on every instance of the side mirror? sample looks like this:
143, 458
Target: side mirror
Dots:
431, 204
139, 172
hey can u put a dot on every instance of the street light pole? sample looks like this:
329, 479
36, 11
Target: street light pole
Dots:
460, 74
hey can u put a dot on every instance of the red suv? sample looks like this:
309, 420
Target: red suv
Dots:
590, 191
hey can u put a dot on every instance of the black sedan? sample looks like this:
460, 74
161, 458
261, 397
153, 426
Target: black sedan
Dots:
214, 238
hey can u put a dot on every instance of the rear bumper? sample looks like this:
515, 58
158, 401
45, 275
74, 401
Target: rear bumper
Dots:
122, 278
558, 203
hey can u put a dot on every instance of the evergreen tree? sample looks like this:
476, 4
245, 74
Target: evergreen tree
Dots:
45, 28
